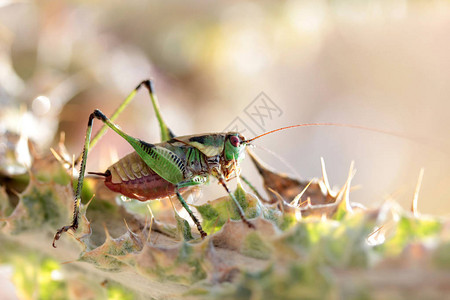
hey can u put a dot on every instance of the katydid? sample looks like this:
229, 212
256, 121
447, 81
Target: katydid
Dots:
155, 171
168, 168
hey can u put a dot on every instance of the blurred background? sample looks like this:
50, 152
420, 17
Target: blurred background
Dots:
381, 64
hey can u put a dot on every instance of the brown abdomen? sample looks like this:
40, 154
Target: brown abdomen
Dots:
131, 177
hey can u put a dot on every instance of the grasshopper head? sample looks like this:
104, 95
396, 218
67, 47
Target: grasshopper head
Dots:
234, 148
233, 153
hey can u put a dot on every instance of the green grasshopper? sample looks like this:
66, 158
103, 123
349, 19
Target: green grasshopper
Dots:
171, 167
155, 171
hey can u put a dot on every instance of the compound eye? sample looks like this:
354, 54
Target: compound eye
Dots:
234, 140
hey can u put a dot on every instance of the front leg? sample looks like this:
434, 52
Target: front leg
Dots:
221, 179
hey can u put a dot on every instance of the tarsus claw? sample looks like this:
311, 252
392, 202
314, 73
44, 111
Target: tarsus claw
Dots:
61, 231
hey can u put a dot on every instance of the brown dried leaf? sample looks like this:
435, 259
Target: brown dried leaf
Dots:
288, 187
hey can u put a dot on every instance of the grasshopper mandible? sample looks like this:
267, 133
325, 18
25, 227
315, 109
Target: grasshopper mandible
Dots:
155, 171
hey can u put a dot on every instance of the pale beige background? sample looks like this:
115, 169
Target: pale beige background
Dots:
383, 64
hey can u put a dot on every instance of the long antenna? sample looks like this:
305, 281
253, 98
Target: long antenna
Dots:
397, 134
